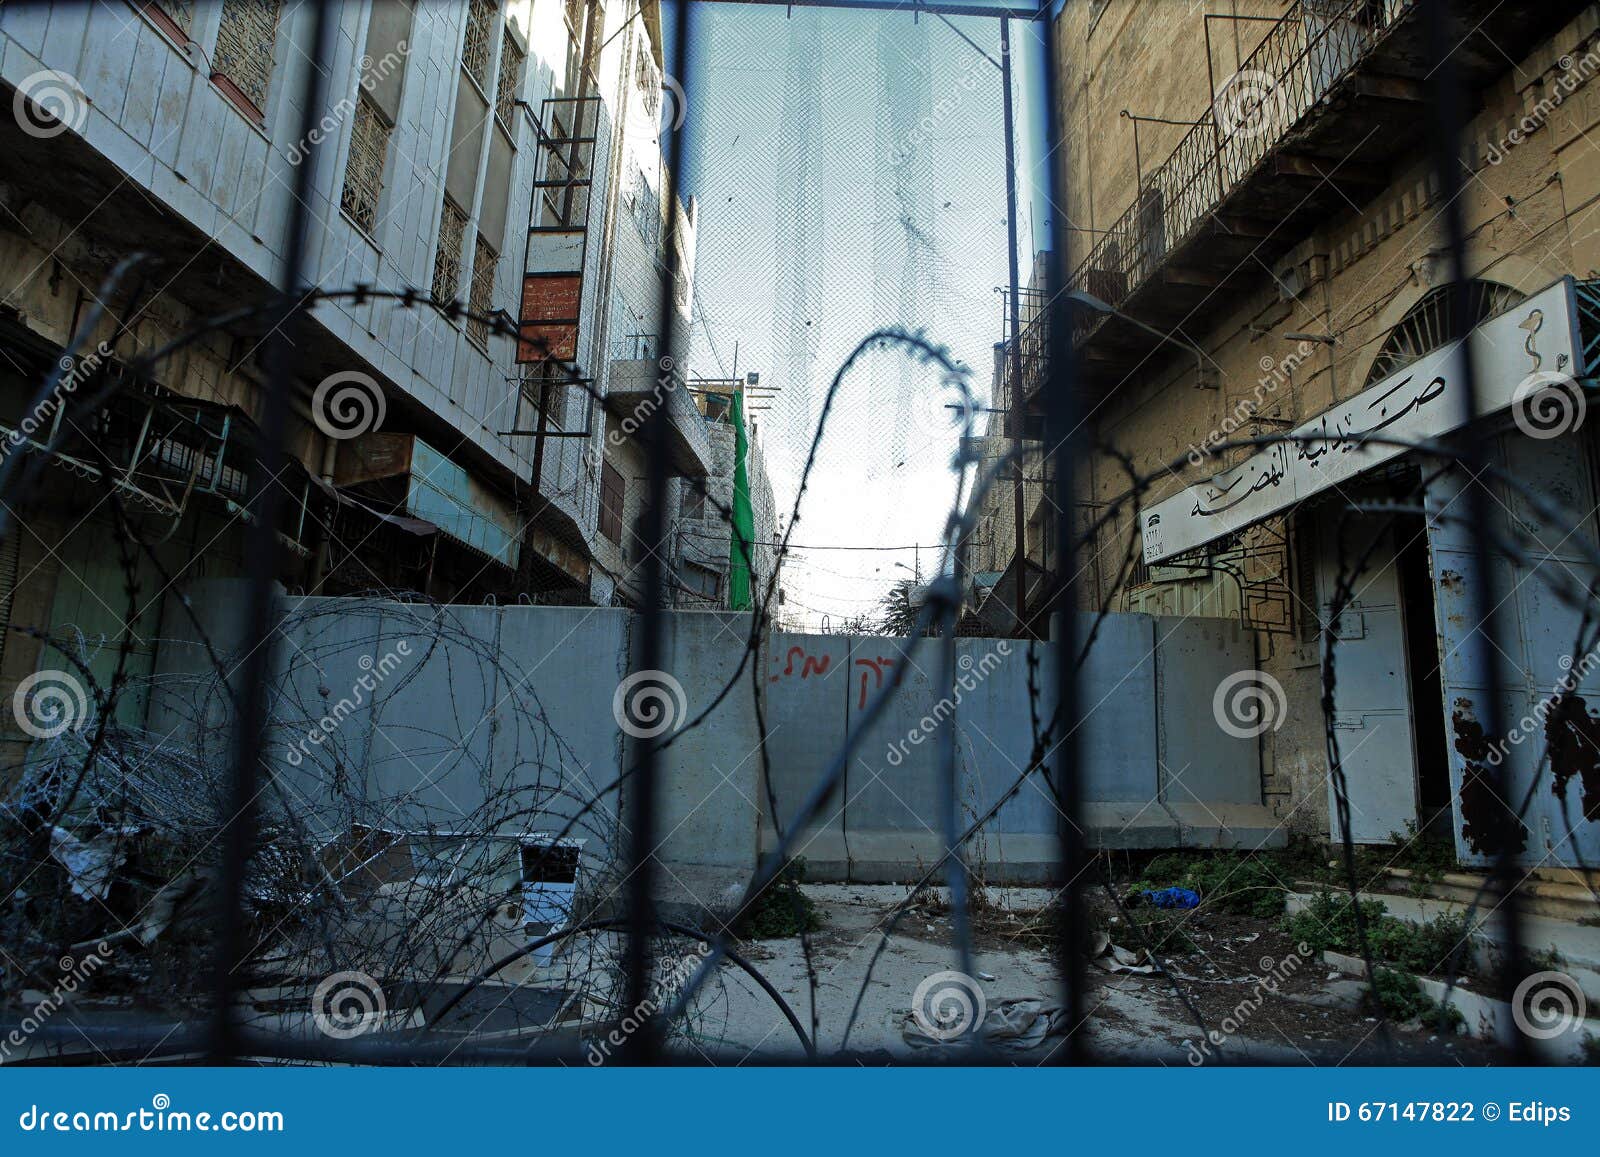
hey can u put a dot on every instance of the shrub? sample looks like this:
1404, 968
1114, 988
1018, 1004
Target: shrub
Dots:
1226, 881
783, 909
1330, 922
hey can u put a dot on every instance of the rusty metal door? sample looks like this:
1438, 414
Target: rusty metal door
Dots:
1372, 697
1539, 634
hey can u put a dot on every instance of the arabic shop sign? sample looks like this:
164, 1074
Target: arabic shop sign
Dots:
1423, 400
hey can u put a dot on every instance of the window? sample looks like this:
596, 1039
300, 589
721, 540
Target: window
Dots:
648, 82
700, 580
174, 17
577, 12
242, 63
646, 211
612, 493
509, 83
1429, 324
481, 298
363, 170
693, 502
477, 47
447, 261
583, 23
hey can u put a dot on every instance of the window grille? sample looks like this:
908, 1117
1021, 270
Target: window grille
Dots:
476, 48
179, 13
644, 75
245, 40
509, 81
363, 171
447, 261
479, 301
1428, 324
693, 502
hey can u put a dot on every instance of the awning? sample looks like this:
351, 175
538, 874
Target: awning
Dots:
425, 486
1516, 354
638, 387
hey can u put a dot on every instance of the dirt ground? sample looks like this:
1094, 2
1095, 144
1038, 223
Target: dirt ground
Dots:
1244, 977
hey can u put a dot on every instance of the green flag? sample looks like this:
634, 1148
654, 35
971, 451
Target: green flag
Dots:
741, 549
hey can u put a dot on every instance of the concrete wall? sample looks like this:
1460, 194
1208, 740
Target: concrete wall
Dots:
528, 693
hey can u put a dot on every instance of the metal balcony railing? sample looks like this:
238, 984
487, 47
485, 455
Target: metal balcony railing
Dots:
1304, 56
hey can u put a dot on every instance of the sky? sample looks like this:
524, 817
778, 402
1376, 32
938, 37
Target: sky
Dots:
849, 168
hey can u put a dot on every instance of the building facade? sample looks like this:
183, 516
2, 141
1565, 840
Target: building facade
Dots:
487, 207
1277, 218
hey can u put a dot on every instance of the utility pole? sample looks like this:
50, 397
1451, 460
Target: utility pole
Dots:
1020, 558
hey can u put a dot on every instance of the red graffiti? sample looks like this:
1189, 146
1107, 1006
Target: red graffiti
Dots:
809, 664
876, 666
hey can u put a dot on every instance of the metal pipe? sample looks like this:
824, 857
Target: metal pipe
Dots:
644, 1046
1447, 107
261, 556
1018, 503
1062, 441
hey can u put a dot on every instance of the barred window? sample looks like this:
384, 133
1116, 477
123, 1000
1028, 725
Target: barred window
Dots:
647, 80
481, 299
447, 260
177, 16
363, 171
509, 83
245, 40
692, 502
476, 49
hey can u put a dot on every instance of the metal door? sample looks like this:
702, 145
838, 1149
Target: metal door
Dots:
1538, 633
1372, 695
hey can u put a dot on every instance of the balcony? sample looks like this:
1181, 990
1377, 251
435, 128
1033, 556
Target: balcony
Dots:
1333, 96
637, 388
